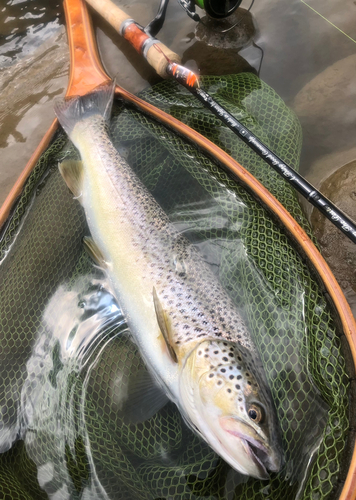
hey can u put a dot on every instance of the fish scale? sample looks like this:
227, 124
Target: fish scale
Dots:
182, 319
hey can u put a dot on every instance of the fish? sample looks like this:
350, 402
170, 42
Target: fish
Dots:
189, 332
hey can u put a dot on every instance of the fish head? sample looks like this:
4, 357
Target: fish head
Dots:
228, 402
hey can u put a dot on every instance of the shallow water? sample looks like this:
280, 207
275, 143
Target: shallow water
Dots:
301, 50
306, 59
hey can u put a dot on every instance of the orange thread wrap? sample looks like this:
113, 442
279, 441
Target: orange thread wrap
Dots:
135, 36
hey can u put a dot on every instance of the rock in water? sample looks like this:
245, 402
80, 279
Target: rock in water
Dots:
338, 250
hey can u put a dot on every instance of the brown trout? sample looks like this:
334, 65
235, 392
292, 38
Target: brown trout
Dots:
187, 328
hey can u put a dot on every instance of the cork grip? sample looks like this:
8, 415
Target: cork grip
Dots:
158, 55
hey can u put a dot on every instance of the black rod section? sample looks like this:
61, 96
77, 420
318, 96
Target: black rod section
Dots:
336, 216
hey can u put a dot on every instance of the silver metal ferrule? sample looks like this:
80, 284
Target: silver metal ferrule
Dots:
147, 44
124, 25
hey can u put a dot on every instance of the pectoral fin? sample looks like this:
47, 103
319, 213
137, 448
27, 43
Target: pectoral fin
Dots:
163, 323
144, 398
72, 172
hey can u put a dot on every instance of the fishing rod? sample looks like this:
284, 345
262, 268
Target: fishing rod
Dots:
166, 64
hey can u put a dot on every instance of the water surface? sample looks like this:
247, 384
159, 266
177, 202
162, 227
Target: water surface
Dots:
299, 46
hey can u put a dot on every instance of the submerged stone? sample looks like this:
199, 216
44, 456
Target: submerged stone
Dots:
337, 249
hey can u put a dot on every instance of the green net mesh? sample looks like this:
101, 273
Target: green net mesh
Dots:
62, 434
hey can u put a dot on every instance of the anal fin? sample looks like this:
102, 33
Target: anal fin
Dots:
72, 172
94, 251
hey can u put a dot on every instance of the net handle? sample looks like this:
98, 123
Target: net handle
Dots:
85, 73
86, 70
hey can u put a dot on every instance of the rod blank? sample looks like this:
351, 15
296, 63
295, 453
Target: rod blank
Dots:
326, 207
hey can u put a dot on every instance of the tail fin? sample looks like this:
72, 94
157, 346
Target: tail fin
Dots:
99, 101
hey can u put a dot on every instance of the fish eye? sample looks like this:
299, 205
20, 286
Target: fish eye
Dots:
255, 413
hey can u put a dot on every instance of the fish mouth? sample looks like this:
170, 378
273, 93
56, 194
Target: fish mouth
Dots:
255, 451
259, 455
262, 456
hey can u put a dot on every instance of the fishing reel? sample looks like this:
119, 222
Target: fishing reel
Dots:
217, 9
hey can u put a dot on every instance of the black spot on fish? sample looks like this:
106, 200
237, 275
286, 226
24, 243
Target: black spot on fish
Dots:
237, 386
229, 390
220, 382
225, 358
231, 354
216, 352
239, 377
223, 370
231, 377
211, 375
